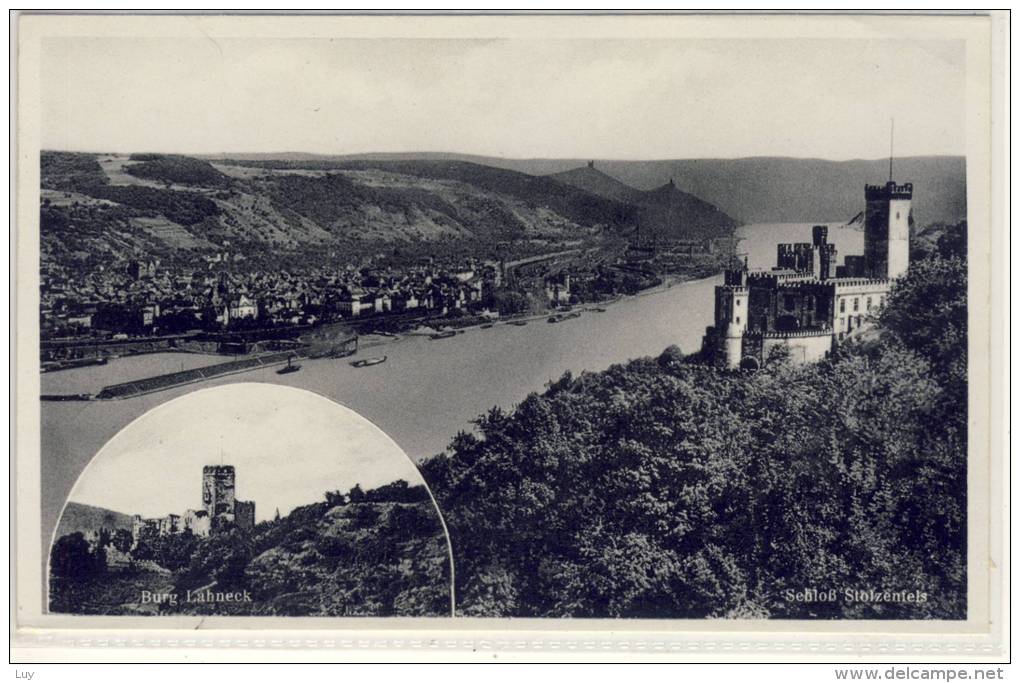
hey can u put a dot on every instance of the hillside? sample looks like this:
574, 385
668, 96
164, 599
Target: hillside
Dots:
665, 212
81, 517
574, 204
98, 208
380, 552
669, 213
663, 488
593, 180
753, 189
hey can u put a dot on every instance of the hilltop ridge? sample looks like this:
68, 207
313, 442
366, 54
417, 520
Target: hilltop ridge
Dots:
592, 179
664, 212
753, 189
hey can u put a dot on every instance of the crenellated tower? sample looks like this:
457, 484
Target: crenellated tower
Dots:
887, 229
218, 489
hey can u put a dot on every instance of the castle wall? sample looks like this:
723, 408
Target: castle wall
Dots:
899, 238
198, 521
244, 515
856, 302
171, 524
804, 347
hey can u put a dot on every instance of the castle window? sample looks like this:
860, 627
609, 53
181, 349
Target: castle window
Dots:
788, 303
842, 305
867, 304
857, 304
738, 319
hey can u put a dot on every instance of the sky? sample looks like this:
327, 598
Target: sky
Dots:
542, 98
154, 465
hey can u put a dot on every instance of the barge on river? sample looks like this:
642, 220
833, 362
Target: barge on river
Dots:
368, 362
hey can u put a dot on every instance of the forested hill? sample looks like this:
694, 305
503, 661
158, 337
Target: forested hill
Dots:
754, 189
664, 488
81, 517
665, 212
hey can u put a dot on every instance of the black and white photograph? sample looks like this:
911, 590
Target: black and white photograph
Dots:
595, 328
241, 515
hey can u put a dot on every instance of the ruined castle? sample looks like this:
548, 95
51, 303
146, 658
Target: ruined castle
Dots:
807, 303
220, 509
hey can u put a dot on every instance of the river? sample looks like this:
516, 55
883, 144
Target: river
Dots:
427, 390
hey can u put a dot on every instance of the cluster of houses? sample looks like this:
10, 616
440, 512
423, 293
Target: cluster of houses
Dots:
144, 297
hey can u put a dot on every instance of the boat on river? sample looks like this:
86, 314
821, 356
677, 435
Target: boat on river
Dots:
558, 318
486, 326
366, 362
70, 364
518, 323
444, 335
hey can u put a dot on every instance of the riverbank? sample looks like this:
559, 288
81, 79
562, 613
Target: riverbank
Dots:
427, 391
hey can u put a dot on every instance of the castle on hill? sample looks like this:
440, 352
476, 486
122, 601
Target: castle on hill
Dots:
220, 509
807, 303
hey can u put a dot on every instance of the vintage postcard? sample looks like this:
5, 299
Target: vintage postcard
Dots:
629, 331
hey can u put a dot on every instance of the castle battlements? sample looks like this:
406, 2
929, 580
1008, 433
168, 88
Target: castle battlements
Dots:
888, 191
806, 303
848, 283
823, 331
775, 273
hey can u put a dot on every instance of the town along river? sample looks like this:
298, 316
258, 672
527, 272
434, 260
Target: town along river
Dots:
427, 390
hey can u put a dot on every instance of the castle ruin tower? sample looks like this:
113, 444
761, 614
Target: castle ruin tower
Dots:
218, 489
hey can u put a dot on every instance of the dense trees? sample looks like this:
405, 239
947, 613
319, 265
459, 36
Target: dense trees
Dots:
186, 208
173, 168
663, 488
71, 556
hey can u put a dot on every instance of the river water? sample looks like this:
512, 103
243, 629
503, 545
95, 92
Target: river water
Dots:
427, 390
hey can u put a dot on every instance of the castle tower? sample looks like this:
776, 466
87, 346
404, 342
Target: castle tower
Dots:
887, 229
731, 310
823, 260
244, 515
218, 489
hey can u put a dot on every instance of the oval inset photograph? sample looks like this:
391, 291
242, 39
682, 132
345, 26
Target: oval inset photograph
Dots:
251, 499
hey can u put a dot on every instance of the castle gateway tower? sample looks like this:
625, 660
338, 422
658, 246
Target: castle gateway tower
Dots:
887, 229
